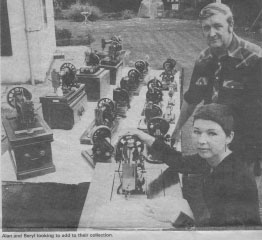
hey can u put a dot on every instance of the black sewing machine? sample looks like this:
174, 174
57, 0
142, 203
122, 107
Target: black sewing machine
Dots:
158, 128
102, 149
28, 135
111, 56
122, 101
168, 76
64, 108
92, 61
142, 67
105, 115
129, 155
153, 105
131, 83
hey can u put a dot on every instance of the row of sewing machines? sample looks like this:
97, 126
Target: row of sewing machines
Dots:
30, 136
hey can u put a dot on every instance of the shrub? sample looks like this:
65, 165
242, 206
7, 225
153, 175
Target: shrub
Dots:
58, 12
96, 13
74, 13
63, 36
127, 14
189, 13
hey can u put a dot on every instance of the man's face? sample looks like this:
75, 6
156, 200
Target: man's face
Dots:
217, 31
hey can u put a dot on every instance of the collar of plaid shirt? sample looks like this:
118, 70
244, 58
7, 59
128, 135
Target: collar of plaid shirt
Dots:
235, 50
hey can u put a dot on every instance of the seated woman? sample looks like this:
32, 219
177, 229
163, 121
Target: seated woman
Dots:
229, 191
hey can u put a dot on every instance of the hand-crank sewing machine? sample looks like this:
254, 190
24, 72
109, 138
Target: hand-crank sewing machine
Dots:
132, 82
142, 67
62, 109
102, 149
29, 137
105, 115
92, 61
111, 57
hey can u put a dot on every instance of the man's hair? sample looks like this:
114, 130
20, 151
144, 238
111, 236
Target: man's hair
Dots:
221, 114
216, 8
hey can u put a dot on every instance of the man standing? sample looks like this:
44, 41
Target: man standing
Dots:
228, 72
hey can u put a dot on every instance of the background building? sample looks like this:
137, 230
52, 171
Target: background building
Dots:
27, 40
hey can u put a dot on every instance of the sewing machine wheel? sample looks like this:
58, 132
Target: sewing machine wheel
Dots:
99, 133
157, 126
106, 102
154, 95
128, 141
153, 111
116, 38
17, 91
68, 66
169, 64
154, 83
133, 74
140, 66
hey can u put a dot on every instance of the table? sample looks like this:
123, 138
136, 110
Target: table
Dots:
85, 15
104, 208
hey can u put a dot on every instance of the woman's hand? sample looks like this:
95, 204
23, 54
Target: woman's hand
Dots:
144, 137
167, 209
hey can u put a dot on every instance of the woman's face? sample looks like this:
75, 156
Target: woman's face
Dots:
210, 140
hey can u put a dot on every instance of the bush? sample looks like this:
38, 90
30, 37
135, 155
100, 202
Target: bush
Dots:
63, 36
74, 13
58, 12
189, 13
116, 5
127, 14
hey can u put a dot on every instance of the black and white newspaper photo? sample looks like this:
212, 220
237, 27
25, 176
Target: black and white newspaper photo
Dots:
131, 119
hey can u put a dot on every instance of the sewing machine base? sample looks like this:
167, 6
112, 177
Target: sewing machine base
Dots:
30, 152
64, 112
97, 85
115, 71
92, 160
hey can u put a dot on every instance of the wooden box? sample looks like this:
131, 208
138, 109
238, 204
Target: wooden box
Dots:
30, 151
63, 112
115, 72
97, 85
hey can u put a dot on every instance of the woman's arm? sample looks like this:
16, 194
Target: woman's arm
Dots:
174, 159
185, 164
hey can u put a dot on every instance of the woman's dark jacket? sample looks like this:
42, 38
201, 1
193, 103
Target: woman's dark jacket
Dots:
229, 191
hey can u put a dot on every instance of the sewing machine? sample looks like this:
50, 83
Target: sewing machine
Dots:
142, 67
122, 101
61, 110
110, 57
155, 106
131, 82
168, 76
131, 168
102, 149
28, 135
105, 115
92, 61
